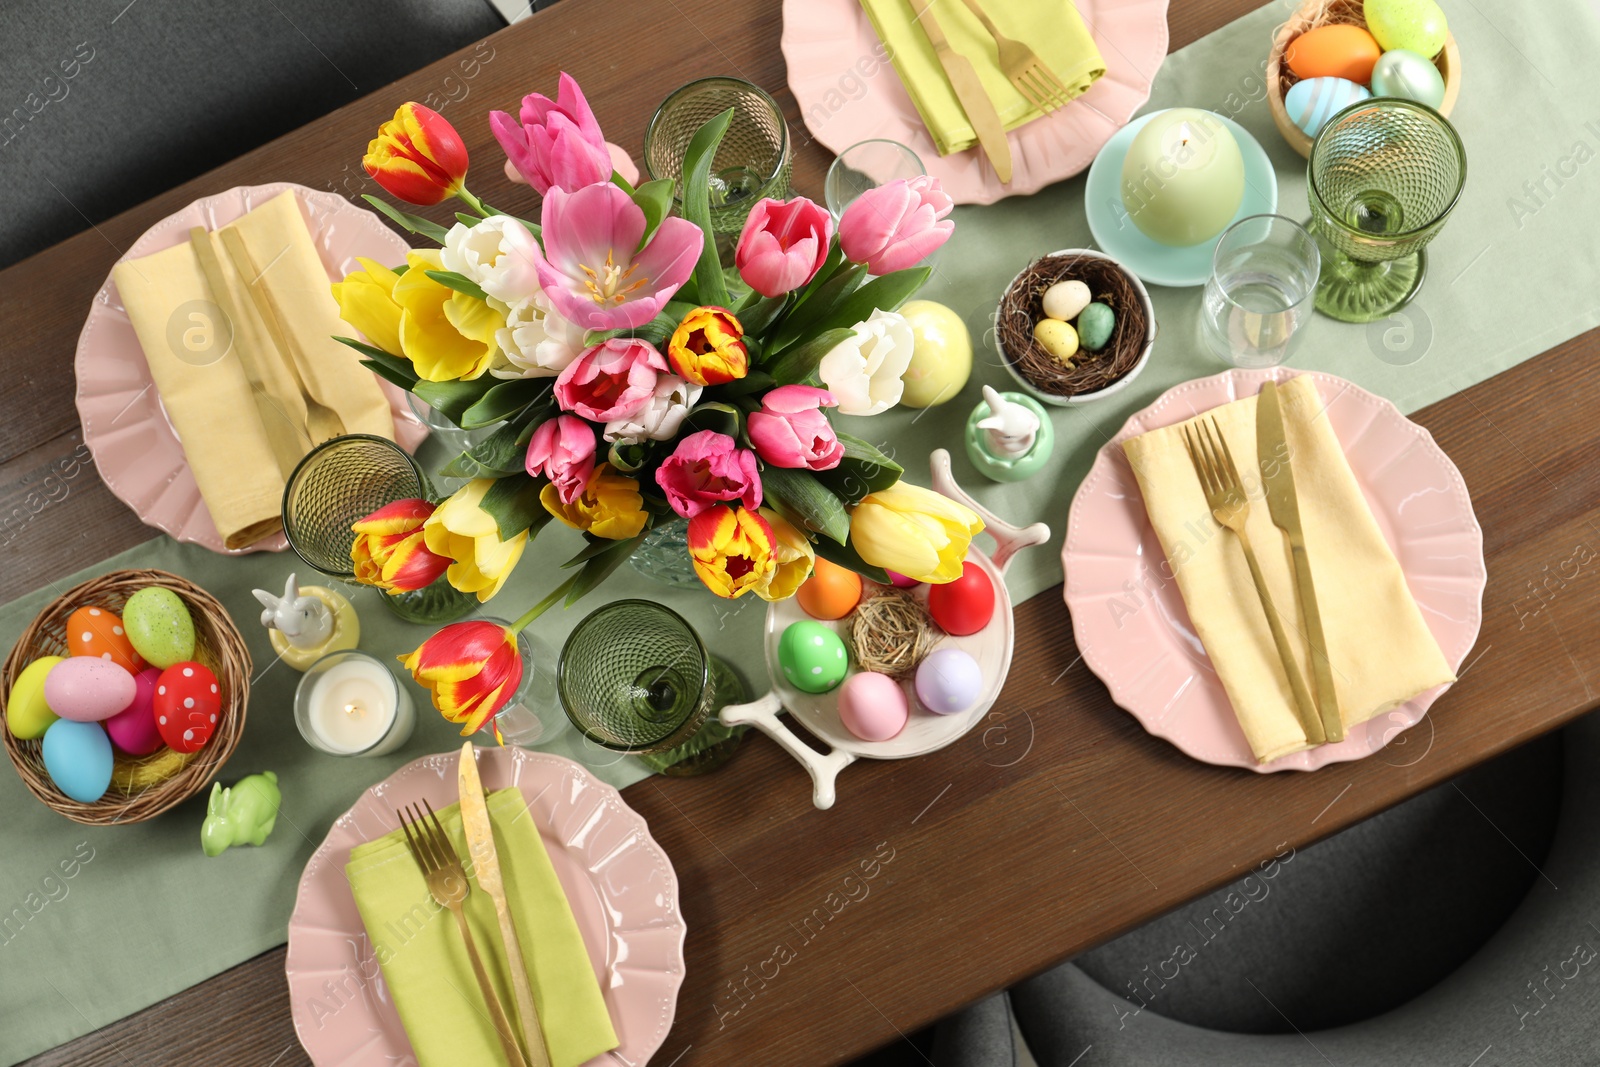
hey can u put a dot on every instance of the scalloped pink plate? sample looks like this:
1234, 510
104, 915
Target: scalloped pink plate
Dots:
134, 446
621, 886
1153, 662
848, 93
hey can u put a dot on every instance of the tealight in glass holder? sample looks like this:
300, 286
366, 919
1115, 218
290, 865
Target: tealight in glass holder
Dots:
349, 703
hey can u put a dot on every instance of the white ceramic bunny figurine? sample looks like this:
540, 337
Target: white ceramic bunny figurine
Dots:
1011, 427
304, 620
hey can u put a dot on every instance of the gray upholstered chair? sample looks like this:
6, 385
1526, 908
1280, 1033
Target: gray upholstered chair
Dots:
105, 104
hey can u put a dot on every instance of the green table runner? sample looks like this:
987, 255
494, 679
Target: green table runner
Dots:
96, 923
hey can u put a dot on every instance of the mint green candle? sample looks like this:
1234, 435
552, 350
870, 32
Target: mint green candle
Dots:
1183, 178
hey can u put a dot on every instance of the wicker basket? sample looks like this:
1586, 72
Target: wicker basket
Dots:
1315, 13
217, 646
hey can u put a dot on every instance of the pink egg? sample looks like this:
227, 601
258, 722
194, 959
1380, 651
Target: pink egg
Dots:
872, 706
133, 729
88, 689
900, 581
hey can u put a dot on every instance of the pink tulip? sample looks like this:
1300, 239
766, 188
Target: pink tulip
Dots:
557, 144
562, 450
592, 268
897, 225
791, 431
612, 380
783, 245
708, 469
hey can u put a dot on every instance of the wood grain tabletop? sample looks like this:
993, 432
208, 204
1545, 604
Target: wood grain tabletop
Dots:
1056, 826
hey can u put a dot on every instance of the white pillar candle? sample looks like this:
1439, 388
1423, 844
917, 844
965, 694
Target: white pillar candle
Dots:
355, 705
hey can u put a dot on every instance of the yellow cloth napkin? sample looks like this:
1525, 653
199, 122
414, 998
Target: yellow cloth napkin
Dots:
425, 965
1381, 651
1052, 28
237, 463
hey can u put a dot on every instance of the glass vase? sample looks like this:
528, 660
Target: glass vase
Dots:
440, 602
663, 555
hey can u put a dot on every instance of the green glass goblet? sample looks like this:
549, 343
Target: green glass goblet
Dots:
634, 677
1383, 177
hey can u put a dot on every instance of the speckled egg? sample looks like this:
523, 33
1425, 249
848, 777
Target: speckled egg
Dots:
812, 657
831, 592
77, 756
1333, 51
963, 606
1057, 338
1064, 300
1095, 325
98, 632
1416, 25
133, 729
872, 706
187, 704
85, 689
159, 625
949, 681
28, 714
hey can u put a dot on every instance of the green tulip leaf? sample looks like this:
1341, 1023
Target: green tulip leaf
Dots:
496, 456
709, 284
655, 200
459, 282
799, 363
453, 398
513, 503
806, 502
407, 221
505, 399
846, 556
862, 470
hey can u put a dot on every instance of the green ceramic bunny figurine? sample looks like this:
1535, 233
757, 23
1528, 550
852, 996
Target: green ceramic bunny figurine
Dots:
241, 815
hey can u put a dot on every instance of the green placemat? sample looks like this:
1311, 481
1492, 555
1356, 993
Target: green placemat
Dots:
98, 923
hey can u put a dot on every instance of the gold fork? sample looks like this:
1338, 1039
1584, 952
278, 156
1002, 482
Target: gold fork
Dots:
1225, 496
447, 882
1028, 74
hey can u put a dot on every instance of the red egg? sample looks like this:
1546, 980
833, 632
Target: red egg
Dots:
98, 632
965, 605
187, 705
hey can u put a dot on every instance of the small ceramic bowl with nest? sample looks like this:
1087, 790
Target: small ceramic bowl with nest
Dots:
1088, 374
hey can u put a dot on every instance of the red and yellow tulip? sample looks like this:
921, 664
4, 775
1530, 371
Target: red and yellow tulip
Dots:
472, 669
734, 550
390, 551
708, 348
793, 558
417, 156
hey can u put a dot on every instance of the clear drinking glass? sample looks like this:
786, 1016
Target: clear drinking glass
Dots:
751, 163
866, 165
1262, 289
635, 677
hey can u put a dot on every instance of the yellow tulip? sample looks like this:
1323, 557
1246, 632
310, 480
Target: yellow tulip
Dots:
460, 529
445, 334
610, 505
366, 301
920, 533
792, 554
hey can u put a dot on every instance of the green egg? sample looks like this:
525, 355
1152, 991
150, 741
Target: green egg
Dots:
1095, 324
159, 626
812, 657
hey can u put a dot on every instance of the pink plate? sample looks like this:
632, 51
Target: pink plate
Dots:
848, 93
135, 448
620, 883
1153, 662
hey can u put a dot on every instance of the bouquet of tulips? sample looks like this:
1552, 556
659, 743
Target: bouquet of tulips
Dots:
633, 381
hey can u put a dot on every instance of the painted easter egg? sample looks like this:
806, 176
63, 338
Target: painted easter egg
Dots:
98, 632
941, 358
1095, 325
187, 704
831, 592
88, 690
1409, 76
949, 681
965, 605
133, 729
1416, 25
1057, 338
902, 581
1336, 51
1064, 300
28, 714
159, 626
872, 706
1311, 103
77, 756
812, 657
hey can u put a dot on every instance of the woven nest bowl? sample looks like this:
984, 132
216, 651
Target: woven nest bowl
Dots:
1095, 375
1317, 13
217, 645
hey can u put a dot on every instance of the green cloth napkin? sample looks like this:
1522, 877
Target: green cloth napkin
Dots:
424, 962
1052, 28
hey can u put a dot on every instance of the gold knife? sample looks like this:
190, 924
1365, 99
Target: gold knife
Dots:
974, 101
486, 868
1283, 502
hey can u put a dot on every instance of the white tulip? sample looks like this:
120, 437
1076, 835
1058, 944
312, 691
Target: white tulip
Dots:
863, 372
497, 253
537, 342
660, 419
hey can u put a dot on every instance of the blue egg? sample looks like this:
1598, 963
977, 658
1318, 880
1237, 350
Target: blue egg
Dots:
78, 757
1314, 101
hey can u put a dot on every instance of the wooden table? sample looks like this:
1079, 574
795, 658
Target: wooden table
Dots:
1058, 826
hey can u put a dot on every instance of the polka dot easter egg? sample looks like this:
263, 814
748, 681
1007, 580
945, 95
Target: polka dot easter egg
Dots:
187, 705
99, 632
159, 626
812, 657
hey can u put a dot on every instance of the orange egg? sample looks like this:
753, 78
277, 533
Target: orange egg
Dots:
1347, 52
831, 592
98, 632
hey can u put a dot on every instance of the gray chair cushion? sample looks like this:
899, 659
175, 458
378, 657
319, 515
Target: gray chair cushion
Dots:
105, 104
978, 1035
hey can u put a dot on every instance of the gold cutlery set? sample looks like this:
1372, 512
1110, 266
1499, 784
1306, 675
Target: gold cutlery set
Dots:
449, 886
1229, 502
1023, 68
